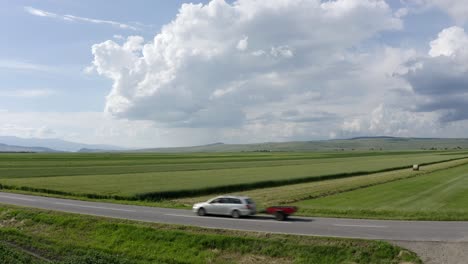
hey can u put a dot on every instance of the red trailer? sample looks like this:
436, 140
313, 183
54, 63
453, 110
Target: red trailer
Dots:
281, 212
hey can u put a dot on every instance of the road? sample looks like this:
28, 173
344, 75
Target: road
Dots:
314, 226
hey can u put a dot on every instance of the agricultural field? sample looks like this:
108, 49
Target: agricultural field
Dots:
39, 237
440, 195
293, 193
149, 176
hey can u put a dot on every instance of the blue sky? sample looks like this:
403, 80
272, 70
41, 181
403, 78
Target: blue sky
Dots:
64, 48
234, 71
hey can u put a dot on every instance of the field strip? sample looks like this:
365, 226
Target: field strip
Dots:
251, 220
95, 207
364, 226
18, 198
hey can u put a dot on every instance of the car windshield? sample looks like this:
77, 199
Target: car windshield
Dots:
249, 201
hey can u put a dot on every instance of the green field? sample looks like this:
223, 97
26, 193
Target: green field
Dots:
38, 236
304, 191
134, 176
441, 195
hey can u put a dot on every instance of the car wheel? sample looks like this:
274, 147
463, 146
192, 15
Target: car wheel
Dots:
235, 214
201, 212
280, 216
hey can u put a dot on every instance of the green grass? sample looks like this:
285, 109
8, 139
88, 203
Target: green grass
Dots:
298, 192
10, 254
441, 195
152, 176
69, 238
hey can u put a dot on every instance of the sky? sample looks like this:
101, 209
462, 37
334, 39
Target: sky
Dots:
160, 73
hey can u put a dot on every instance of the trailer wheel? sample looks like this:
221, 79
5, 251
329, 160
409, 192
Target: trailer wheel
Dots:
280, 216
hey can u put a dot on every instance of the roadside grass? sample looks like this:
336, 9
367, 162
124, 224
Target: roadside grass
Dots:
298, 192
194, 174
441, 195
71, 238
12, 255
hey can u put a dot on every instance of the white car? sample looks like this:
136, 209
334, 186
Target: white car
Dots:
235, 206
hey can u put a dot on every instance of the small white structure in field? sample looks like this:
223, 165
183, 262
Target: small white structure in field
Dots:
416, 167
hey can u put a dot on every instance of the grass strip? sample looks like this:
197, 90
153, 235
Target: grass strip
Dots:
241, 187
440, 195
299, 192
70, 238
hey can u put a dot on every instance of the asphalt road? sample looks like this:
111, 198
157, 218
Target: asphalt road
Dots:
315, 226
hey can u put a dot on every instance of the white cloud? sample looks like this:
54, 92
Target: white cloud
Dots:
282, 51
16, 65
353, 126
86, 127
402, 12
388, 121
26, 93
38, 12
72, 18
450, 41
242, 44
193, 75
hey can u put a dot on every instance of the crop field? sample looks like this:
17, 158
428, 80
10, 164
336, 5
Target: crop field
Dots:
146, 176
441, 195
304, 191
150, 176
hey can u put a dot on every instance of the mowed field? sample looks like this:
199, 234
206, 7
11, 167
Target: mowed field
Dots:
127, 175
439, 195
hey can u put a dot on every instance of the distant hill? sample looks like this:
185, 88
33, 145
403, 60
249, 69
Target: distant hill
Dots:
56, 144
87, 150
361, 143
10, 148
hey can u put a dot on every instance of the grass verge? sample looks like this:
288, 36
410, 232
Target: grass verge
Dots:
70, 238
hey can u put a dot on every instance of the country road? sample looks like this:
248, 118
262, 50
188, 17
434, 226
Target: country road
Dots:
315, 226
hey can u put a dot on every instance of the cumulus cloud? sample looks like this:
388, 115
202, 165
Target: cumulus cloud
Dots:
72, 18
226, 64
451, 41
441, 79
385, 120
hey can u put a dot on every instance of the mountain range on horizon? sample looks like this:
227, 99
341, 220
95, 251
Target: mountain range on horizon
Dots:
16, 144
54, 144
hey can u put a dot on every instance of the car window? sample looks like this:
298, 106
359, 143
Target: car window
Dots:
249, 201
216, 200
234, 201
